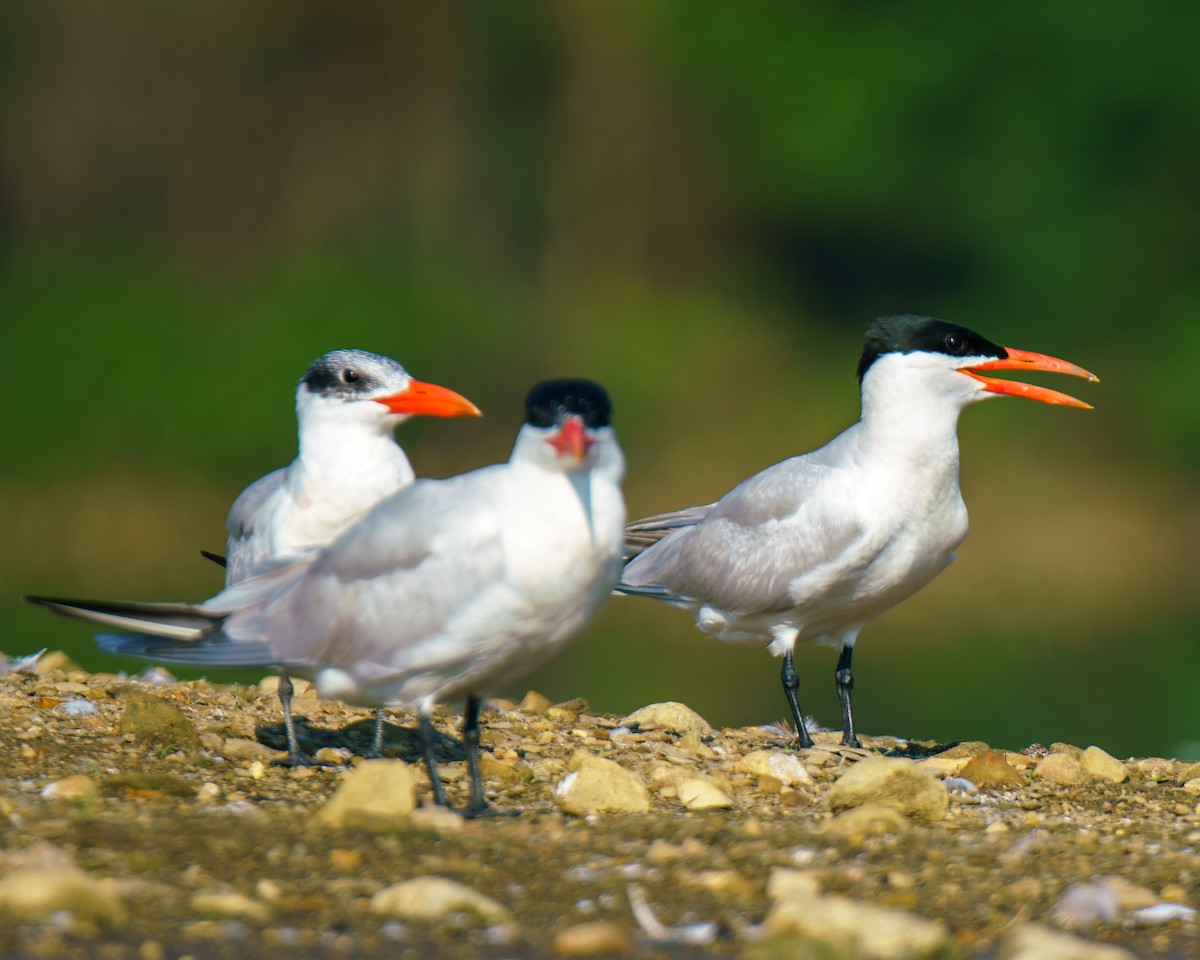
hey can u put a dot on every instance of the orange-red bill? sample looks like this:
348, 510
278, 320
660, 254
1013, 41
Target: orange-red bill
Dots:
571, 440
1027, 360
430, 400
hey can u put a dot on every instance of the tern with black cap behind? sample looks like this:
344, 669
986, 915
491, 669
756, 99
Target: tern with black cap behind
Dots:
348, 404
815, 547
448, 588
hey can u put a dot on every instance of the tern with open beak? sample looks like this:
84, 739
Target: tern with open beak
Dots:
817, 546
448, 588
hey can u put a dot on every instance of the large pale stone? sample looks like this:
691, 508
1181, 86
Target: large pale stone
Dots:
1061, 768
372, 793
231, 905
941, 766
861, 930
702, 793
783, 766
596, 785
432, 898
669, 715
1097, 763
785, 883
43, 880
54, 660
897, 783
534, 702
241, 748
599, 938
1032, 941
867, 820
77, 787
991, 771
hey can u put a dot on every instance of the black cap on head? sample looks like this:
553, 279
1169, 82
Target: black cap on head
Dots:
908, 334
550, 399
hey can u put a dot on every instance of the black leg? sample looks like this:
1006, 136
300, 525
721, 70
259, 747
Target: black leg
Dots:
791, 683
470, 738
844, 677
295, 756
376, 751
428, 739
478, 807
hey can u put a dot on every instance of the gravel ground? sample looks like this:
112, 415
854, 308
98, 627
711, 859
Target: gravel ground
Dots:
145, 819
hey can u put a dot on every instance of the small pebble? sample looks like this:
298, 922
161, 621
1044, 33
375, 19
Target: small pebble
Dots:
151, 950
77, 787
334, 756
597, 938
701, 793
784, 767
231, 905
989, 770
534, 702
433, 898
669, 715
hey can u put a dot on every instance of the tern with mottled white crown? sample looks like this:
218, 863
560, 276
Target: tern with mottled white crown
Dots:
348, 404
815, 547
448, 588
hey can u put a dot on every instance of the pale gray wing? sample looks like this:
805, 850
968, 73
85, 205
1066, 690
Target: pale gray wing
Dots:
386, 596
641, 534
240, 554
773, 540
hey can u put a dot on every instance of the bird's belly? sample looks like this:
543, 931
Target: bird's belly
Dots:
828, 607
545, 597
906, 563
893, 579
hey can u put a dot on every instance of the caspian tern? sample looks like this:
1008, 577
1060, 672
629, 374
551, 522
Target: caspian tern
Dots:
447, 588
348, 404
815, 547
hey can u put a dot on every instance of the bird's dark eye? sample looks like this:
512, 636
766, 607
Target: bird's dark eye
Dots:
955, 344
350, 376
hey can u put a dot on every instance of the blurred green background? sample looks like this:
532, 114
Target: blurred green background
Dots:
700, 204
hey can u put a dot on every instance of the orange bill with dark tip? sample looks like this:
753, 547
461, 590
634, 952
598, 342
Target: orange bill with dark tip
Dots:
1027, 360
429, 400
571, 440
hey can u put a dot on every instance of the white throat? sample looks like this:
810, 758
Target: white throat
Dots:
348, 446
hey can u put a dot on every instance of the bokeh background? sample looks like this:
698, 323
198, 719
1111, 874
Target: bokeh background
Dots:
700, 204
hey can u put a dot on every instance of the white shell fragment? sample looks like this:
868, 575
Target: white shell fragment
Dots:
1163, 913
693, 934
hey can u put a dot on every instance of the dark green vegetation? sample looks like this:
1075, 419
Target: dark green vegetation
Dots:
699, 205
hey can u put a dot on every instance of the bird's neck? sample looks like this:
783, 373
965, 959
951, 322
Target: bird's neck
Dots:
918, 428
350, 455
